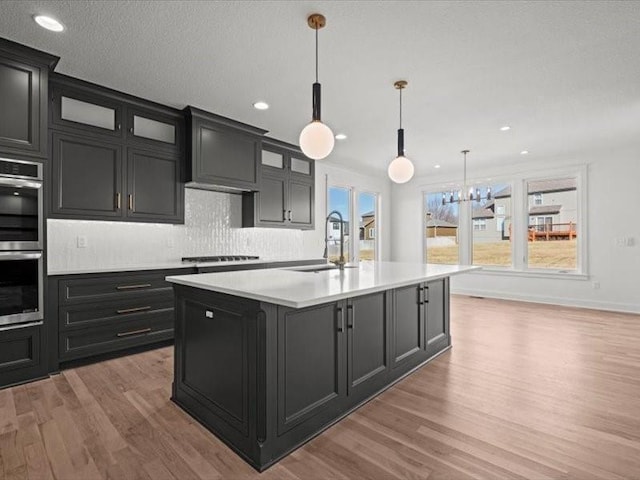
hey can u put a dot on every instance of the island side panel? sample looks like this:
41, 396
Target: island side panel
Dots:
215, 375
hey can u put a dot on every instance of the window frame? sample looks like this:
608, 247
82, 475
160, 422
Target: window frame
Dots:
519, 223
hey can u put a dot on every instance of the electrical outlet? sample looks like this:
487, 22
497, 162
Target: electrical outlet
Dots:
81, 241
595, 285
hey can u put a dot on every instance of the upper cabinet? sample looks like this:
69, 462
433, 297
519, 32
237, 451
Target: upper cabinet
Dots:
24, 74
114, 157
286, 195
223, 154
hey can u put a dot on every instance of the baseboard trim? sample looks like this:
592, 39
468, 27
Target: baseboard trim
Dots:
562, 301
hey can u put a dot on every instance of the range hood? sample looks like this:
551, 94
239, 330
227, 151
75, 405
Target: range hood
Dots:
223, 155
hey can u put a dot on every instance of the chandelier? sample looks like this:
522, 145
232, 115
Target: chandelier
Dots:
465, 194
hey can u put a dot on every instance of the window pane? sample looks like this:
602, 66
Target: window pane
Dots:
367, 213
441, 233
552, 234
492, 227
340, 200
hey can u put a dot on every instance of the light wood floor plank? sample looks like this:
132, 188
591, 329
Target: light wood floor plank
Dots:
527, 392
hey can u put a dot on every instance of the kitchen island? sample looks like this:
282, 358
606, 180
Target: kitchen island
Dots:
267, 359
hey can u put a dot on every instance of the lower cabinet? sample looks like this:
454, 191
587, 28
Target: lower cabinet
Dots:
21, 354
266, 378
105, 313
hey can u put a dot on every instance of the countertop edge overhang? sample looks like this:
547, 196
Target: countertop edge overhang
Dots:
300, 289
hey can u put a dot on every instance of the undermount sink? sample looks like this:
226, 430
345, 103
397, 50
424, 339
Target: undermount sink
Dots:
319, 269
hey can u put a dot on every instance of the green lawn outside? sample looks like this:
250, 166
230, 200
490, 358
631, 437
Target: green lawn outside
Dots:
557, 254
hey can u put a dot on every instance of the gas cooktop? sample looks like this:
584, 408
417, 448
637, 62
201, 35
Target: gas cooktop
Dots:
220, 258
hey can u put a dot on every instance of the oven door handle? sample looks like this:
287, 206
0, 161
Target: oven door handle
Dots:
20, 256
20, 183
21, 325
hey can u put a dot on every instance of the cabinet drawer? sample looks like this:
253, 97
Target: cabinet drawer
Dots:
93, 341
95, 315
113, 288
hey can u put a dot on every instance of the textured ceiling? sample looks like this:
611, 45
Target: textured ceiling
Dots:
564, 75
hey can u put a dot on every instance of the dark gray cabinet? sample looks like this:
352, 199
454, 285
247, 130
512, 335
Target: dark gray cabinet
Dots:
300, 370
23, 99
420, 322
114, 157
94, 314
22, 352
286, 195
408, 326
436, 301
87, 178
367, 345
154, 190
223, 153
310, 363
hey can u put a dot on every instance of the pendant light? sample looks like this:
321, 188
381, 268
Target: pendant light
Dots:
316, 139
400, 169
466, 195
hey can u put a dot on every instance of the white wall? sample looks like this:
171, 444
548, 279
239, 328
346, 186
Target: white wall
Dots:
212, 227
612, 214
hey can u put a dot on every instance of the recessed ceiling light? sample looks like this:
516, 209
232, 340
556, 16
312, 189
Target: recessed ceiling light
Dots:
505, 128
261, 105
16, 193
341, 136
48, 23
436, 166
524, 152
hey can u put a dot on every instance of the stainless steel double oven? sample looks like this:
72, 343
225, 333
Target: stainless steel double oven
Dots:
21, 244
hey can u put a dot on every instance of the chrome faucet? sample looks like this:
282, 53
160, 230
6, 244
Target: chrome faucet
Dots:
340, 262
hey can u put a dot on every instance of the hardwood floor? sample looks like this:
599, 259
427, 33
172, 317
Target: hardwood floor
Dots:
528, 391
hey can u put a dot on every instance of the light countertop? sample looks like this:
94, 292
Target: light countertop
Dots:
294, 287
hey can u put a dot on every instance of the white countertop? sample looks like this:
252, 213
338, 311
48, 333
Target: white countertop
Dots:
297, 288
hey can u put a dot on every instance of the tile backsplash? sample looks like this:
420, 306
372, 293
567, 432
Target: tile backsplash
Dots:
212, 227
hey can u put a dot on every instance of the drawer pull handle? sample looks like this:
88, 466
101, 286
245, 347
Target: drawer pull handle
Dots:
132, 310
132, 287
133, 332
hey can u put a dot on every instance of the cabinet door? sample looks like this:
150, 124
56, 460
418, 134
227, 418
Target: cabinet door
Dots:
21, 129
408, 325
437, 315
310, 364
225, 157
214, 367
155, 130
301, 167
367, 359
301, 204
87, 178
20, 354
154, 190
80, 110
271, 200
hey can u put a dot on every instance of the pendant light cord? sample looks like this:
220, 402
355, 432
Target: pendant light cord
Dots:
400, 107
316, 54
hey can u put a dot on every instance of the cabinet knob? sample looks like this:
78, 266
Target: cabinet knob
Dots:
208, 314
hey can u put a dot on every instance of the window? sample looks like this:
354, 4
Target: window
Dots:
491, 235
367, 208
339, 199
531, 224
479, 224
441, 229
552, 237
